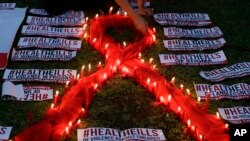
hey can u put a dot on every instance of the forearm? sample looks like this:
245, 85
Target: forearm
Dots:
125, 5
140, 3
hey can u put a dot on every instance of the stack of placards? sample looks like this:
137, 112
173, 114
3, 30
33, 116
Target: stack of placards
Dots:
52, 35
194, 39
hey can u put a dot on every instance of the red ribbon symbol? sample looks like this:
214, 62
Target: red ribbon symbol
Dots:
59, 119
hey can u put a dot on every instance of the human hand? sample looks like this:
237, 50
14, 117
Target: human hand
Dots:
140, 24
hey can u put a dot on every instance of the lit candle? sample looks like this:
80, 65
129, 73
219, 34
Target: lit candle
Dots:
199, 99
82, 71
151, 60
99, 65
218, 115
181, 87
96, 16
139, 55
172, 81
89, 70
124, 44
56, 97
78, 77
125, 13
106, 46
66, 86
70, 124
110, 10
148, 80
52, 106
188, 122
188, 92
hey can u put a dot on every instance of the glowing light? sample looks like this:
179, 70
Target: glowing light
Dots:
154, 66
154, 29
125, 69
179, 109
169, 97
161, 99
118, 12
94, 40
106, 46
70, 124
118, 62
57, 93
95, 86
96, 16
52, 106
124, 44
67, 83
217, 115
83, 67
226, 126
139, 55
188, 122
79, 121
151, 60
89, 66
84, 26
105, 76
199, 99
154, 84
181, 86
173, 79
78, 76
125, 13
153, 37
99, 63
85, 35
67, 129
193, 128
188, 92
87, 18
200, 136
83, 110
110, 9
142, 60
148, 80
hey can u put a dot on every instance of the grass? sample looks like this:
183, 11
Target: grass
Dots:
123, 104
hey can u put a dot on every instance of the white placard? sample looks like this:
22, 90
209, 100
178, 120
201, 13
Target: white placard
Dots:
5, 132
7, 6
173, 32
235, 115
236, 70
49, 43
53, 31
42, 55
193, 59
185, 17
69, 13
220, 91
110, 134
55, 21
26, 93
185, 23
188, 45
41, 75
10, 21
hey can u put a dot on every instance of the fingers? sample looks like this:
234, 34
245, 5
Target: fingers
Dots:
145, 11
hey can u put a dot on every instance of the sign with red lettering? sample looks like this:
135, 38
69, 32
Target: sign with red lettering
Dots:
68, 14
219, 91
173, 32
235, 115
5, 132
236, 70
55, 21
42, 55
182, 19
41, 75
110, 134
188, 45
53, 31
193, 59
7, 6
49, 43
26, 93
